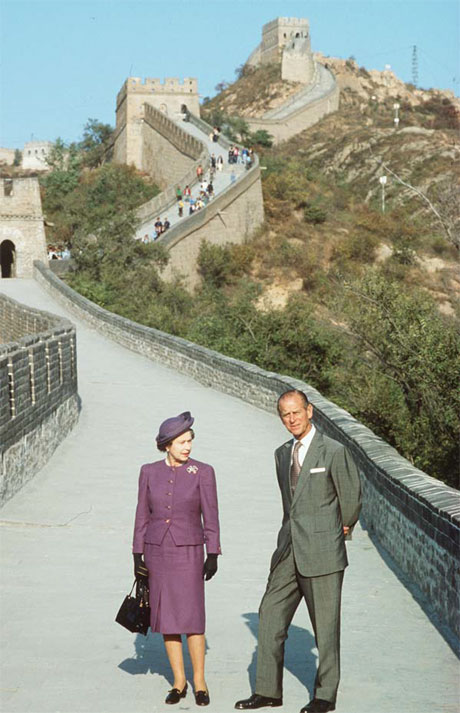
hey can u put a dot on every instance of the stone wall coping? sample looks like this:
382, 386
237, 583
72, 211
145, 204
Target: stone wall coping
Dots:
379, 461
57, 325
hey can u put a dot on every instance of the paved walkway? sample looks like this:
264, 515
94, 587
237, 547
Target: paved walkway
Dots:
222, 179
66, 563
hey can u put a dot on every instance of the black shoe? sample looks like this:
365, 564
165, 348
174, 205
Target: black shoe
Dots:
175, 695
256, 701
318, 705
202, 698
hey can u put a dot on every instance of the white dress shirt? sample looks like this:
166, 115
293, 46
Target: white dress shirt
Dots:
305, 441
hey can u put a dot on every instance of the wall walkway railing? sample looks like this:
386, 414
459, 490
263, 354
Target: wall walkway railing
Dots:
39, 402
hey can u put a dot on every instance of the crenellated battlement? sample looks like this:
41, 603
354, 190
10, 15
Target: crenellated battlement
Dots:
288, 21
154, 85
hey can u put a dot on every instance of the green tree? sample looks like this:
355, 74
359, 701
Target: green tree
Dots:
403, 378
95, 142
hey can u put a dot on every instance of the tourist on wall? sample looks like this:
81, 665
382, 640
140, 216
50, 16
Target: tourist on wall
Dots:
180, 208
220, 163
210, 189
187, 193
158, 225
213, 161
199, 172
178, 193
166, 225
177, 513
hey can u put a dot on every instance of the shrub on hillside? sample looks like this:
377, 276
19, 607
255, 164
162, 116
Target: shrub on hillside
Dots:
315, 213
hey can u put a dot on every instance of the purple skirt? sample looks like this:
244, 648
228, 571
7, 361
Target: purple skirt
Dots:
176, 587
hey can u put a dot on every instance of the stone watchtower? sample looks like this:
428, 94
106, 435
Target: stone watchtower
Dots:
22, 230
169, 96
286, 40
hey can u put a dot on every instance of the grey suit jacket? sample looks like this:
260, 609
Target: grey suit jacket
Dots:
327, 497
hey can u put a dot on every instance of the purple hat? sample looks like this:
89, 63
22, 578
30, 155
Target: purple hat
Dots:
173, 427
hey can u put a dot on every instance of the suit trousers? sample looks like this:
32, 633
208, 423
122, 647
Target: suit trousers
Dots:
285, 589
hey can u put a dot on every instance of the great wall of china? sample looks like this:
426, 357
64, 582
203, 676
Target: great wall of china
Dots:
409, 512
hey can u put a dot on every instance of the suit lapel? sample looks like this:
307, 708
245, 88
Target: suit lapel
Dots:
311, 460
285, 468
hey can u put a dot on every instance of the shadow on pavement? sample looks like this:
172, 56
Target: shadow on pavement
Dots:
150, 657
299, 658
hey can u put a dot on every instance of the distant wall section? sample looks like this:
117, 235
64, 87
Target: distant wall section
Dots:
301, 118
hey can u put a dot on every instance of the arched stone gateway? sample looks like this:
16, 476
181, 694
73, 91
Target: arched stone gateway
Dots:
8, 258
22, 230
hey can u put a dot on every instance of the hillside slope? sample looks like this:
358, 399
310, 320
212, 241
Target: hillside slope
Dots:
322, 193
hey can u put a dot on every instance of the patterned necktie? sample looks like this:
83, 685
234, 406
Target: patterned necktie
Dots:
295, 467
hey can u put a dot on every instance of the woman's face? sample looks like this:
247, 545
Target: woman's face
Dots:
179, 450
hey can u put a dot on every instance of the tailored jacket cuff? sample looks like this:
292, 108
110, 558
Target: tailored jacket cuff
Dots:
216, 550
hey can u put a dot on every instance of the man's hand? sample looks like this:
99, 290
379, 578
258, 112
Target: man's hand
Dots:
346, 530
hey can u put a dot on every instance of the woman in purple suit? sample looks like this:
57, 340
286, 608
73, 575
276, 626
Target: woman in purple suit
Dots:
176, 514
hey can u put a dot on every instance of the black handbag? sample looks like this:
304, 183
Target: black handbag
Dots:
134, 613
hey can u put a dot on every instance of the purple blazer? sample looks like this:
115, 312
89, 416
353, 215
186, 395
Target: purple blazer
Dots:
182, 500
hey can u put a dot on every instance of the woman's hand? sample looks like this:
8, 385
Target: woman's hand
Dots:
210, 567
141, 572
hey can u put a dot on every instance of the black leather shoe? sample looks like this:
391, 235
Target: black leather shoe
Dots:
202, 698
318, 705
256, 701
175, 695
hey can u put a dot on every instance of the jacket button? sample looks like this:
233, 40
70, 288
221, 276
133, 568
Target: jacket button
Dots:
168, 493
167, 520
170, 481
168, 507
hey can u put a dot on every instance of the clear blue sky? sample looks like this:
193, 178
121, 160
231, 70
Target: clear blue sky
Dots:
63, 61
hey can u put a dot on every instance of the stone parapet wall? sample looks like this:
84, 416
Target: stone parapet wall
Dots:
39, 403
300, 119
168, 152
415, 517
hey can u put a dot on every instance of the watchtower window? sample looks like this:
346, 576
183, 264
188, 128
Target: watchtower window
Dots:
8, 187
297, 34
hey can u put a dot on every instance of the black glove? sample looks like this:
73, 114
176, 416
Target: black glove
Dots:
141, 572
210, 567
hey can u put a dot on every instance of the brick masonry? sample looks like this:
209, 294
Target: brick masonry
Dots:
415, 517
39, 403
21, 223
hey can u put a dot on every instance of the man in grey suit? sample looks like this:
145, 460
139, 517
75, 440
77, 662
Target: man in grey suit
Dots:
321, 494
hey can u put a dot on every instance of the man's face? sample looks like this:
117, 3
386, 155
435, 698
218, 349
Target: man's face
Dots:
295, 415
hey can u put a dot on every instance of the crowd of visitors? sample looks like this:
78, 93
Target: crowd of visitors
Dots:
186, 204
243, 155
